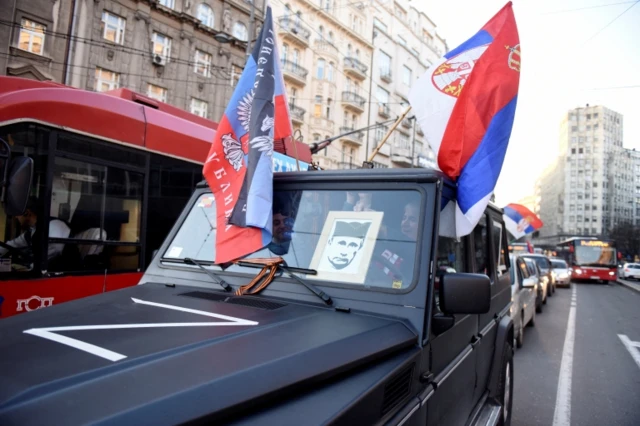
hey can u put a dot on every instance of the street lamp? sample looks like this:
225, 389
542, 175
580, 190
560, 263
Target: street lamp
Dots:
223, 38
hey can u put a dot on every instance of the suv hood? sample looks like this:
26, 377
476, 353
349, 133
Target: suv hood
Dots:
182, 352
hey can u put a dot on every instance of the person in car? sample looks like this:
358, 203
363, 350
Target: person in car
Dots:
29, 224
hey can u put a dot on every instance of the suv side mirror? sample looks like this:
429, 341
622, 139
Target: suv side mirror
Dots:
528, 283
18, 185
465, 293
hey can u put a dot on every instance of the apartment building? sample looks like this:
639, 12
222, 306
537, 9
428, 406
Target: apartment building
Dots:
406, 45
189, 54
594, 183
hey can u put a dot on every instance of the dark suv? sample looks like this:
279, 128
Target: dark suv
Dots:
547, 271
350, 330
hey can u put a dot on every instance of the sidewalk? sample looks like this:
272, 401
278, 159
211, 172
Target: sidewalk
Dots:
629, 284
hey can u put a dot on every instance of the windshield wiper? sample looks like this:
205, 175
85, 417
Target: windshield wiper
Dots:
291, 270
216, 279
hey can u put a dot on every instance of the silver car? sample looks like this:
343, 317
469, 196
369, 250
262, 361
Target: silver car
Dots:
562, 273
542, 283
523, 297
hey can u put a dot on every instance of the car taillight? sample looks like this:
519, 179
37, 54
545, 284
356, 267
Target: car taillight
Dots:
626, 269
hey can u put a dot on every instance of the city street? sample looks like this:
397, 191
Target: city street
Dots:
581, 367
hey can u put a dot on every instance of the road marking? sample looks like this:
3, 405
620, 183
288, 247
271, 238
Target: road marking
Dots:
50, 333
562, 413
632, 347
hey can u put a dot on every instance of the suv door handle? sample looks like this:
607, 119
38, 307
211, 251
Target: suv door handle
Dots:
475, 340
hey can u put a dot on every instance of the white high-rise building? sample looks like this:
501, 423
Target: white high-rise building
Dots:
594, 184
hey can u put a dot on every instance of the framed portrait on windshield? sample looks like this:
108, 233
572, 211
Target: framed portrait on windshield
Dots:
345, 246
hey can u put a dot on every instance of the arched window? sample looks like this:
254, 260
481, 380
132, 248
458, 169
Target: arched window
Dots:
205, 15
240, 31
285, 52
321, 32
330, 69
349, 55
320, 69
331, 37
296, 56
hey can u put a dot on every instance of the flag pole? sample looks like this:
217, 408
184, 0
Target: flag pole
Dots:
382, 142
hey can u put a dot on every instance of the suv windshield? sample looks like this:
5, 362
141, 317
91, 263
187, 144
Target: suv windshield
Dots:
354, 238
559, 264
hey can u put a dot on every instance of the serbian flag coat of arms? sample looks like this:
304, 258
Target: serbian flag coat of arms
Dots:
465, 104
239, 168
520, 221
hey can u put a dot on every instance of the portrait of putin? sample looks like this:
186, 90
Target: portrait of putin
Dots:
345, 243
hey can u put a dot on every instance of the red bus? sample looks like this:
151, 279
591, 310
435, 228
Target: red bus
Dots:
590, 258
111, 173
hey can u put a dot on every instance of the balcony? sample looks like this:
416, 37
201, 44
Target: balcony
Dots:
344, 165
384, 111
401, 156
321, 123
354, 138
353, 101
297, 114
326, 48
294, 31
355, 68
385, 75
294, 72
419, 131
406, 123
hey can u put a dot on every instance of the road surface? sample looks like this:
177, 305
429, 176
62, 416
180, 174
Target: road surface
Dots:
581, 367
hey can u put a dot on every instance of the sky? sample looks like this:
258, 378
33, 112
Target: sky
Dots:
572, 54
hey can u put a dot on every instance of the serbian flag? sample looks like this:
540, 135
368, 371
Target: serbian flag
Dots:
520, 221
239, 168
465, 103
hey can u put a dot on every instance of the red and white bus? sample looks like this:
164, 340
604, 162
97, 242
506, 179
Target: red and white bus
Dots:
115, 168
590, 258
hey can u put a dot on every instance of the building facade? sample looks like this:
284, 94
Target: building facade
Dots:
406, 45
593, 184
189, 54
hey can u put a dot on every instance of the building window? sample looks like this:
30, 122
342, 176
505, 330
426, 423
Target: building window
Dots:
203, 63
32, 37
381, 131
205, 15
402, 141
317, 107
240, 31
406, 75
156, 92
161, 45
199, 107
382, 96
320, 69
113, 28
106, 80
330, 73
385, 65
379, 24
167, 3
328, 110
236, 72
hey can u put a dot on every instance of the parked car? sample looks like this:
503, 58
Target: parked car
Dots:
630, 271
542, 285
544, 264
561, 272
523, 297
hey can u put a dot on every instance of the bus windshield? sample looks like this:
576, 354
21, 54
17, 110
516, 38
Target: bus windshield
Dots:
348, 238
595, 256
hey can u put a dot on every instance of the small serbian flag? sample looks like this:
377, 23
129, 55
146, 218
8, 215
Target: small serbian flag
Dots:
520, 221
465, 103
239, 168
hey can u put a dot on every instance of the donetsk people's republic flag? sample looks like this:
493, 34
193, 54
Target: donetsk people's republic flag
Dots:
239, 168
465, 104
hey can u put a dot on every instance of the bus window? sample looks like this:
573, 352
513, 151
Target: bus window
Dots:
102, 206
22, 245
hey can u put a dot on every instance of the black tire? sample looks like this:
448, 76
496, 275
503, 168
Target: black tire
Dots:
520, 336
505, 386
539, 308
544, 297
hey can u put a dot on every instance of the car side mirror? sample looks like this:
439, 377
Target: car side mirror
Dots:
18, 185
465, 293
528, 283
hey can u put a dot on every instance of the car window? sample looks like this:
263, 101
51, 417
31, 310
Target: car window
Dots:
559, 264
524, 270
512, 275
480, 247
363, 239
496, 230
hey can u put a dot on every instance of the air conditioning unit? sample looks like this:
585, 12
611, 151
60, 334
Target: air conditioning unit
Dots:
159, 60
